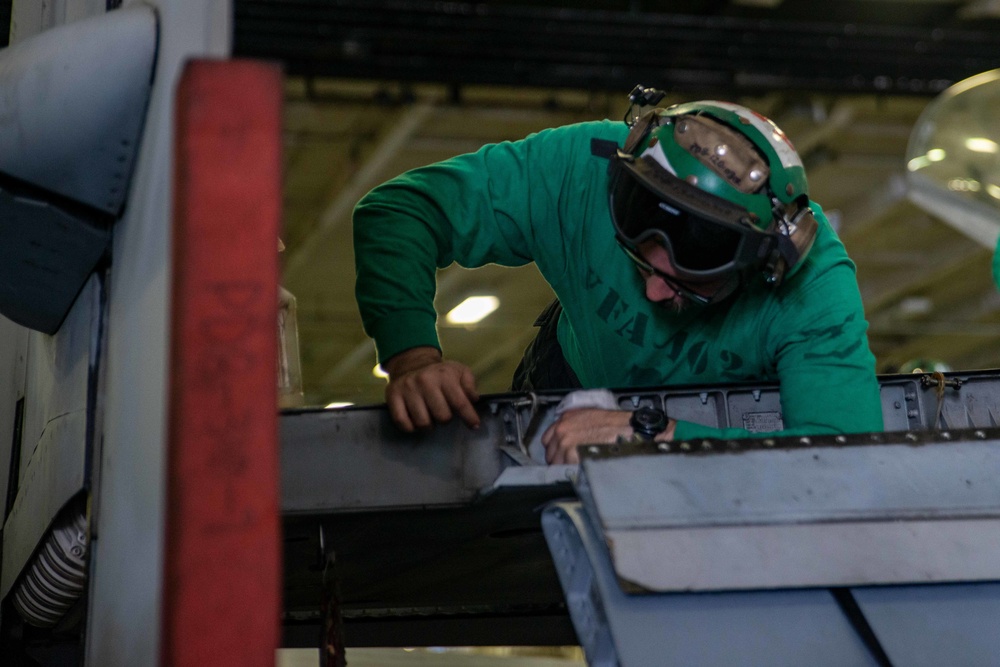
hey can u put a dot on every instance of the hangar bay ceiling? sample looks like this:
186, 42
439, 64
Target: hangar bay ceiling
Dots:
376, 88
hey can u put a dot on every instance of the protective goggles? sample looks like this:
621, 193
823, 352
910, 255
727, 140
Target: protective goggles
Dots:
699, 293
707, 237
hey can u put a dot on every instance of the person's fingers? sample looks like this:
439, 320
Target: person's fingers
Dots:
580, 427
554, 440
398, 412
417, 409
435, 397
550, 453
562, 451
570, 455
550, 442
468, 381
433, 393
459, 400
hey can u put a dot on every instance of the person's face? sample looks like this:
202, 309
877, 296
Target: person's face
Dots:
658, 289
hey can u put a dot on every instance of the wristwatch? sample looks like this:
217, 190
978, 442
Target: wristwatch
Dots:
647, 422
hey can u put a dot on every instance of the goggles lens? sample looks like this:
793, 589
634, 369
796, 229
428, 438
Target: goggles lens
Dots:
703, 294
705, 235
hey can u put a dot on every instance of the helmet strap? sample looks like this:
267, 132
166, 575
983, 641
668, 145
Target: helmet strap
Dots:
795, 229
642, 126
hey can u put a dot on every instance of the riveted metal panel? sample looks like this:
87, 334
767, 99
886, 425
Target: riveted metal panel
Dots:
796, 512
74, 101
800, 627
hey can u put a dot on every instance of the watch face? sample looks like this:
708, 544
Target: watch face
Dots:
649, 421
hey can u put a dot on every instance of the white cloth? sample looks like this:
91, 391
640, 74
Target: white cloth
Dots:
587, 398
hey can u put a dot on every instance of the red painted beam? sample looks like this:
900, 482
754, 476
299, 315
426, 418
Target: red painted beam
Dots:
222, 560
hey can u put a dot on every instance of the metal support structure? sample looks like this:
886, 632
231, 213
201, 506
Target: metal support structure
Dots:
803, 627
222, 460
354, 458
442, 530
882, 534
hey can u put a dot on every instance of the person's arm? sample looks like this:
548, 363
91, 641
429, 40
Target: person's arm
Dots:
498, 205
817, 337
826, 371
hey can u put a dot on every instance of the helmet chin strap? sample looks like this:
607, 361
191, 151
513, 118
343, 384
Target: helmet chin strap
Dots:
796, 229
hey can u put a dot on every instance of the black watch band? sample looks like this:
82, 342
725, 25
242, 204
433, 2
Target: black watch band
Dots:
648, 422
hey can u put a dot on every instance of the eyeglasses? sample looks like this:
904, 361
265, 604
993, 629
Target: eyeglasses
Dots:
701, 295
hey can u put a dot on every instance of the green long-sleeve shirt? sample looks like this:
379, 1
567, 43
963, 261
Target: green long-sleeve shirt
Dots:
544, 199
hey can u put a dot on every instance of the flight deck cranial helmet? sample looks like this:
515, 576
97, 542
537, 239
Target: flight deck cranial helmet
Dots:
719, 186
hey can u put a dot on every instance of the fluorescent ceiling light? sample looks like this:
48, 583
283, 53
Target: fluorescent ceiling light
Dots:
338, 404
982, 145
915, 305
963, 185
473, 309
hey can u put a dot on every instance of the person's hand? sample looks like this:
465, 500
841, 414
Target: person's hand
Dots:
586, 426
424, 388
590, 426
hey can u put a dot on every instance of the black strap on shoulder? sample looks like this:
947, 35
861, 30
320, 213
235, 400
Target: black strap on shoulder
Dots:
544, 366
603, 147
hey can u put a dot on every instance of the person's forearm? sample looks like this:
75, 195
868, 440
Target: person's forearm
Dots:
411, 359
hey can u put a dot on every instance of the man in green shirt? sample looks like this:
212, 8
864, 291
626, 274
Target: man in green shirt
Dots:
681, 245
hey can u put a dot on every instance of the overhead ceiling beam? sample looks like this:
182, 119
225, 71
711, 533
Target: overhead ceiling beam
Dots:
839, 118
500, 44
371, 174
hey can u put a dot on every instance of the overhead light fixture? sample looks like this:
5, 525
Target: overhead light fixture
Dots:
338, 404
982, 145
472, 310
963, 185
912, 306
921, 161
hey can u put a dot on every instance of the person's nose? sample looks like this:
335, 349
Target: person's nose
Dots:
658, 290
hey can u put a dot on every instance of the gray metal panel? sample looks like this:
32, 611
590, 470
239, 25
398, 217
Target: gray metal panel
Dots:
57, 371
804, 555
353, 458
896, 404
125, 591
640, 488
47, 255
801, 627
30, 18
909, 403
931, 626
73, 105
13, 361
53, 476
356, 459
965, 401
58, 368
802, 516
